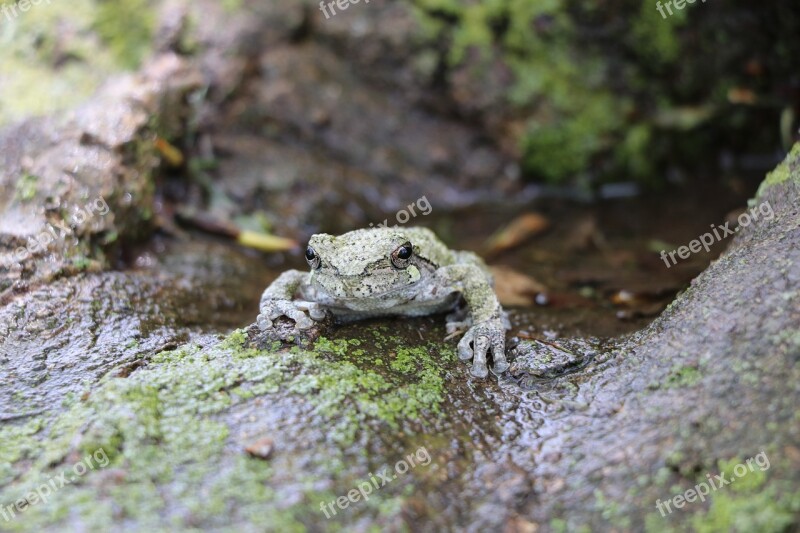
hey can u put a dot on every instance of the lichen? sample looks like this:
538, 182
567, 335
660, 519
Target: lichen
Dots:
765, 511
25, 188
161, 430
63, 34
127, 28
683, 376
782, 172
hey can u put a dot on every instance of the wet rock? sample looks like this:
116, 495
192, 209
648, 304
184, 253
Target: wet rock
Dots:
75, 184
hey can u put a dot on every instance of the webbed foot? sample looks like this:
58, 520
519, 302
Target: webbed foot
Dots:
481, 339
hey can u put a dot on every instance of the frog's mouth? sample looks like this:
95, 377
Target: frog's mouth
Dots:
355, 289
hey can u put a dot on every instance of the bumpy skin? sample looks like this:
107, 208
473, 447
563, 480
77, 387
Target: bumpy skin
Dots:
392, 271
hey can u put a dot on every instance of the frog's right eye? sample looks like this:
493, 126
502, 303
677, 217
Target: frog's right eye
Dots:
312, 258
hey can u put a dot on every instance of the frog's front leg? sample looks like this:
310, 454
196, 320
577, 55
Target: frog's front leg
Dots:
278, 300
487, 333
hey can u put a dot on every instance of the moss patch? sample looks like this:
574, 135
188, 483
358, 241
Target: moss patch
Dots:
162, 431
765, 511
56, 54
782, 172
127, 29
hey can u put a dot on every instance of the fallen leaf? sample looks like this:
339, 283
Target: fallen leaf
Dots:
265, 242
738, 95
252, 239
172, 154
515, 233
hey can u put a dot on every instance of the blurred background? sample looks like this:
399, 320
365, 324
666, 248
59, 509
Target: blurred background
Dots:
596, 133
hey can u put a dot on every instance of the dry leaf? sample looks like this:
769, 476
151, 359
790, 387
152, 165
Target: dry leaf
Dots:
518, 231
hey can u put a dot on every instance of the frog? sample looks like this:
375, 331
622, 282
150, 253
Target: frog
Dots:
392, 271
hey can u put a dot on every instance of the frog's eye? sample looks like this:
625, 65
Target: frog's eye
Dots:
312, 258
401, 256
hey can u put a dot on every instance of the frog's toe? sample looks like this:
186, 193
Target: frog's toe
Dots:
465, 346
314, 310
264, 322
481, 347
303, 314
501, 364
301, 320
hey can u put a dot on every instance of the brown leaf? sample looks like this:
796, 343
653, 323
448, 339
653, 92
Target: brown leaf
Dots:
739, 95
518, 231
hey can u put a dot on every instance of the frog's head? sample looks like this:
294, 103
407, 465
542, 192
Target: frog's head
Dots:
379, 266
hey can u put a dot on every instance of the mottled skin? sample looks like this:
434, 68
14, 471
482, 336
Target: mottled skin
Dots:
393, 272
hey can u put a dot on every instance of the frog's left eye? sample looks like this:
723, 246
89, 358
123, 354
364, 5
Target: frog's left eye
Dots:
312, 258
401, 256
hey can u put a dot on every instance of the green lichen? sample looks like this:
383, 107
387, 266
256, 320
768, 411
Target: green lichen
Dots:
766, 511
337, 385
782, 172
683, 376
560, 85
52, 58
754, 477
162, 432
26, 187
127, 28
19, 442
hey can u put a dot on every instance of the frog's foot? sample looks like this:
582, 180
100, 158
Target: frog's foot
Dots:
302, 313
481, 339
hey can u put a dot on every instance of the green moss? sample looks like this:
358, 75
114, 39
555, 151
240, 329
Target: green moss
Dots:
162, 431
26, 187
562, 87
339, 386
19, 442
127, 28
34, 43
683, 376
782, 172
753, 479
81, 263
655, 37
766, 511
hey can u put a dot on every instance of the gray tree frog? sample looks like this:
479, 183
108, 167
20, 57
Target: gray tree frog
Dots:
393, 271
